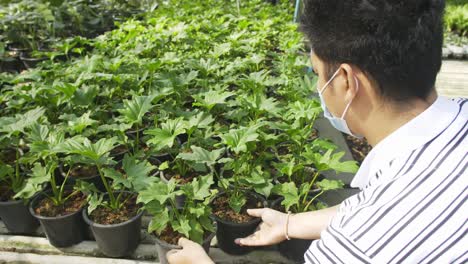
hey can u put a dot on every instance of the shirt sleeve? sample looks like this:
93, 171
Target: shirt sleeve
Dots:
335, 247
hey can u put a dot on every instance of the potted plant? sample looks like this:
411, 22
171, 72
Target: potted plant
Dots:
230, 206
300, 193
132, 115
13, 199
59, 208
114, 216
169, 222
187, 166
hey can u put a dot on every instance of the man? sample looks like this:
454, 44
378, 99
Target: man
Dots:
377, 62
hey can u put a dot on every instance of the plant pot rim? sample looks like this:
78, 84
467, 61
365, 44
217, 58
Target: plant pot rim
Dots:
62, 173
13, 202
40, 217
32, 58
278, 200
253, 221
94, 224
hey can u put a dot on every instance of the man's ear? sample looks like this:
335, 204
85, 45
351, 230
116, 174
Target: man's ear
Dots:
352, 82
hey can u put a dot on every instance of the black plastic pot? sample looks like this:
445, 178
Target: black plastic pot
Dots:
17, 218
294, 249
119, 155
11, 65
94, 179
30, 63
162, 248
62, 231
227, 232
118, 240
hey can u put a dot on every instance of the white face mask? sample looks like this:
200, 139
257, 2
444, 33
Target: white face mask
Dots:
338, 123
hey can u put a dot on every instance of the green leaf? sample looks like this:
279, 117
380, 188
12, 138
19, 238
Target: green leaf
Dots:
135, 109
78, 124
290, 194
5, 171
164, 166
211, 98
182, 226
196, 231
96, 152
13, 126
326, 184
94, 201
237, 201
200, 120
201, 155
138, 173
237, 139
34, 184
159, 221
202, 186
158, 191
165, 136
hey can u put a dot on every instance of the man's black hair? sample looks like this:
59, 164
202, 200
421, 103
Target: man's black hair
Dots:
398, 43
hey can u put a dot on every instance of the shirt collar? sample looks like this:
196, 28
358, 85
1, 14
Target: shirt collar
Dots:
410, 136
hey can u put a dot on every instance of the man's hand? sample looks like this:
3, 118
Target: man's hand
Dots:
271, 231
191, 253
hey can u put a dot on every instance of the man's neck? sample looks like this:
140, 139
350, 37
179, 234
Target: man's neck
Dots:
383, 123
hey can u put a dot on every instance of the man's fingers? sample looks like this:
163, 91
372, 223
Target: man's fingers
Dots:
184, 242
170, 253
256, 212
249, 241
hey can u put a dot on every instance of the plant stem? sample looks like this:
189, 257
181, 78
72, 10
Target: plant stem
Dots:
310, 202
106, 185
310, 187
69, 196
176, 210
16, 179
137, 138
63, 185
117, 200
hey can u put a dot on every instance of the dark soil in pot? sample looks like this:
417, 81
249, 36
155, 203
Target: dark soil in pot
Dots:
87, 173
168, 240
293, 249
15, 213
62, 224
232, 225
117, 233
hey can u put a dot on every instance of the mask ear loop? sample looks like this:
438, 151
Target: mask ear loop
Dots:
329, 81
349, 104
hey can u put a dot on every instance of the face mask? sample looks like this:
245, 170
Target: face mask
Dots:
338, 123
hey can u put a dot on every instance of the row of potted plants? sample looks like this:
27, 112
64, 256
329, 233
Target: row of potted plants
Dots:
35, 31
117, 191
193, 115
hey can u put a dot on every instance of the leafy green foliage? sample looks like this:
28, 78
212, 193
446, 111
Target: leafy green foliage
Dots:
223, 93
192, 221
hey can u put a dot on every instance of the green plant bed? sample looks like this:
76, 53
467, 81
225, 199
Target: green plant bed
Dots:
198, 91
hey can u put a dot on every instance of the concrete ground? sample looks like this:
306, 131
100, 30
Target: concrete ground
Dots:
452, 80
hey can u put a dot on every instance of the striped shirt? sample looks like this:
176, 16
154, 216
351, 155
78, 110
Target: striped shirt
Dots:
412, 205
